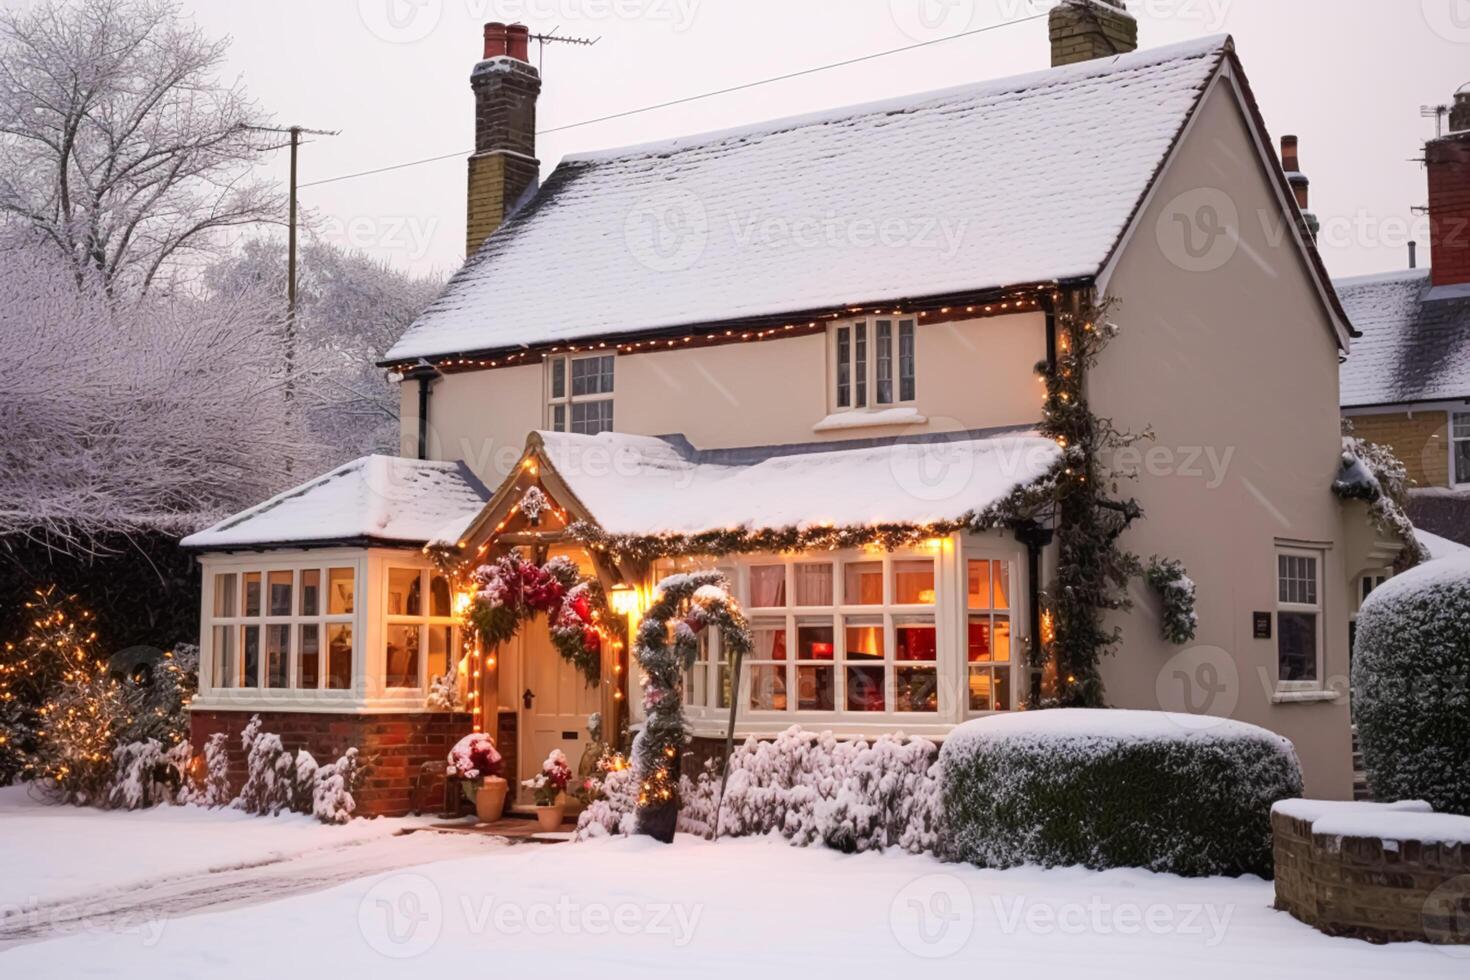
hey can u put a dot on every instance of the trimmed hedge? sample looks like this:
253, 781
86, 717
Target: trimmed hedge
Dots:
1115, 789
1411, 686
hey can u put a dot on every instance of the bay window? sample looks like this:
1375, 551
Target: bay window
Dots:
419, 628
873, 363
277, 630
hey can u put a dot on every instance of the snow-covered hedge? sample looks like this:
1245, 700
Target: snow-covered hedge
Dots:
1411, 686
1108, 789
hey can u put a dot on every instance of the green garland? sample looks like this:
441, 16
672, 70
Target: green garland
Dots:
1176, 591
689, 604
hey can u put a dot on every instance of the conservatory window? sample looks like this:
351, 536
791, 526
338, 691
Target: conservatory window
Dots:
419, 634
270, 629
988, 635
579, 393
872, 363
1298, 617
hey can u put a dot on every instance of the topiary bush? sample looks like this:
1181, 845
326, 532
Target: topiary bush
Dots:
1115, 789
1411, 686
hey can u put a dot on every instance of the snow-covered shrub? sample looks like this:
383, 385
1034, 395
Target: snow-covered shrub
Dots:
1411, 686
269, 772
333, 788
1110, 789
611, 810
303, 783
475, 757
214, 789
147, 774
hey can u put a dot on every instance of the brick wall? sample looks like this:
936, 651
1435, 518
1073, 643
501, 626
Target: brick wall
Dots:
397, 746
504, 164
1086, 30
1448, 161
1421, 441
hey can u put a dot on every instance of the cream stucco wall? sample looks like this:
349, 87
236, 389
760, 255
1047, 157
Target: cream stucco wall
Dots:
970, 374
1236, 370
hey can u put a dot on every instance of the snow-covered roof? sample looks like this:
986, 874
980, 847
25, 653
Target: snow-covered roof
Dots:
643, 486
375, 499
1415, 344
1023, 180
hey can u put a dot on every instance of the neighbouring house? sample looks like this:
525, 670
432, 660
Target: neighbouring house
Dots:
811, 353
1407, 383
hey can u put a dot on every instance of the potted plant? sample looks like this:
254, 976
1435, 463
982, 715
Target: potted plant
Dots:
548, 785
478, 764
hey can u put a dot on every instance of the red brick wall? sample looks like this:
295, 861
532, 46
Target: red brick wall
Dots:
396, 745
1449, 209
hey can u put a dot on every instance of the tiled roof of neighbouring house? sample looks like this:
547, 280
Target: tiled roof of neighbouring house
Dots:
375, 499
1415, 344
1012, 182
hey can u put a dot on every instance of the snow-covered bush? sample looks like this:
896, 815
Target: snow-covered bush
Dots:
147, 774
269, 772
277, 781
214, 789
1411, 686
610, 811
334, 786
1110, 789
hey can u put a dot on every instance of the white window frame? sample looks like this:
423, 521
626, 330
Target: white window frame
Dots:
567, 401
867, 328
1458, 479
1319, 557
423, 621
239, 622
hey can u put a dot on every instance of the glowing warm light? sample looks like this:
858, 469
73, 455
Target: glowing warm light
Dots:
462, 602
623, 599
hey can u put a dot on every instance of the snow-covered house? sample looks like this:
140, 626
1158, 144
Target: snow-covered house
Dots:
1407, 383
806, 352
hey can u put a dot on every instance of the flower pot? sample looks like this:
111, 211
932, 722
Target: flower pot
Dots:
549, 817
490, 799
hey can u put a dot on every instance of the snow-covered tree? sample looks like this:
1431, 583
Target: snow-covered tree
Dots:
121, 149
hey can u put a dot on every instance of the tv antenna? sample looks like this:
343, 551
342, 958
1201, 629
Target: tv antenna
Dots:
1438, 112
551, 37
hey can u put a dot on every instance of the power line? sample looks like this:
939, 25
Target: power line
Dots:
692, 98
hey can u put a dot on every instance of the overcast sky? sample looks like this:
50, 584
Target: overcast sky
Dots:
1348, 76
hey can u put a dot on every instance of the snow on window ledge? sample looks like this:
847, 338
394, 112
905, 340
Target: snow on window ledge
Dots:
869, 419
1304, 697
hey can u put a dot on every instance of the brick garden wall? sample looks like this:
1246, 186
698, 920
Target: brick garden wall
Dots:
397, 746
1357, 887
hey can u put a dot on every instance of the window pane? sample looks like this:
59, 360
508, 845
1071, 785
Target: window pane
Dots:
815, 641
341, 590
592, 376
225, 598
724, 689
865, 641
278, 656
915, 641
980, 648
863, 583
860, 364
1462, 425
1298, 579
280, 593
1297, 645
440, 601
865, 689
311, 658
768, 687
885, 362
403, 656
441, 642
769, 643
1462, 459
918, 689
906, 390
696, 685
844, 367
558, 377
978, 588
311, 592
982, 689
252, 594
767, 586
592, 418
814, 584
559, 419
250, 665
339, 656
1002, 690
913, 582
1002, 639
404, 592
816, 689
1000, 577
226, 665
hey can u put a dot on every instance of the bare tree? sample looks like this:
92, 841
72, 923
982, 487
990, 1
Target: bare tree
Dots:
119, 144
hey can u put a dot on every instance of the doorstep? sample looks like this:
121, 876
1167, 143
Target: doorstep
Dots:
516, 831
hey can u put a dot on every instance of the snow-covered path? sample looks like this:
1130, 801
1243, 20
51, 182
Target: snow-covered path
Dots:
145, 907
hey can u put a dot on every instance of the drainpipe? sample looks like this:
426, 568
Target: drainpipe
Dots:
425, 374
1034, 537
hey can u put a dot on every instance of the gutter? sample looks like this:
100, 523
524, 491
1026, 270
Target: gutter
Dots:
1034, 537
425, 374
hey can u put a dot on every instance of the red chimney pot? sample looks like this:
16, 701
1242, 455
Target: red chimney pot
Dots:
507, 41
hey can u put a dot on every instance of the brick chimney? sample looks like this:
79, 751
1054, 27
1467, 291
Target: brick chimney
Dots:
1082, 30
1460, 113
504, 165
1300, 185
1448, 160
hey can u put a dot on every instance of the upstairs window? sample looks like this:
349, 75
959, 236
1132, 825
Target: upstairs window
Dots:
580, 391
873, 362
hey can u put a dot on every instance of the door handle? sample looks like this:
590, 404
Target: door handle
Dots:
528, 698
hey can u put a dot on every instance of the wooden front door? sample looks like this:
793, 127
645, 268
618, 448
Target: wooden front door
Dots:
555, 705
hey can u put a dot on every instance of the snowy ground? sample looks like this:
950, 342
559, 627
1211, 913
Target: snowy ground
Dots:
738, 909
